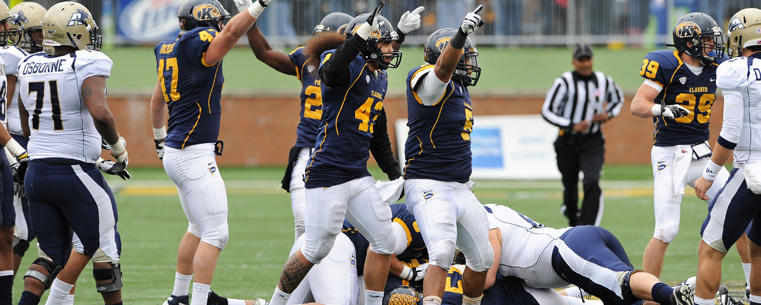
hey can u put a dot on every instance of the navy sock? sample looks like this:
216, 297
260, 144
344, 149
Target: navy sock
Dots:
28, 298
662, 293
6, 289
120, 303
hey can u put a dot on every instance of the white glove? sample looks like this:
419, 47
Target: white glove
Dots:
255, 9
410, 21
114, 168
414, 274
472, 21
367, 28
670, 111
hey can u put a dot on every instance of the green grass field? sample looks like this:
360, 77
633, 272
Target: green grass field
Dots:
505, 70
151, 224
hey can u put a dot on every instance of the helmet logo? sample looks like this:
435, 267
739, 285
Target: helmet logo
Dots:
78, 18
442, 43
687, 29
19, 18
206, 12
736, 24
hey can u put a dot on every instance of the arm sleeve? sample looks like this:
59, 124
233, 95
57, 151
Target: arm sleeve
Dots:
333, 71
731, 127
555, 99
380, 147
429, 89
615, 98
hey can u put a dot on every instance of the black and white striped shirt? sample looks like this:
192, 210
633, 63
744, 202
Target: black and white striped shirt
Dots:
574, 98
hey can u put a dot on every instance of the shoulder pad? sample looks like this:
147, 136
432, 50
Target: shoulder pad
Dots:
732, 74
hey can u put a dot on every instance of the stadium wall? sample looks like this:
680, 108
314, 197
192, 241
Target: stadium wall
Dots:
259, 130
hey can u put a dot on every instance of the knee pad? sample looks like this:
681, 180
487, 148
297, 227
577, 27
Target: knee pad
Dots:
480, 262
667, 233
624, 280
51, 268
113, 274
442, 254
216, 236
385, 246
20, 246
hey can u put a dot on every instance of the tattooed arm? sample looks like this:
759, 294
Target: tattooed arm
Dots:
93, 93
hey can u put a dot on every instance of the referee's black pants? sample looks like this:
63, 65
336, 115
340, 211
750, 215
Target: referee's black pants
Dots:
585, 153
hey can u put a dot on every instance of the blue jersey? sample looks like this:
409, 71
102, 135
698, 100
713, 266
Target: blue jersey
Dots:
346, 129
506, 291
682, 87
415, 244
438, 144
311, 99
191, 88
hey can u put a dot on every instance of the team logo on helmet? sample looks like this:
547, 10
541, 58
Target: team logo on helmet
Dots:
442, 43
19, 18
206, 12
687, 29
78, 18
735, 24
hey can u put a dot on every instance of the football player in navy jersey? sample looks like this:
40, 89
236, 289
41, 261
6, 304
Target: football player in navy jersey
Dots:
438, 166
189, 90
353, 85
678, 93
297, 64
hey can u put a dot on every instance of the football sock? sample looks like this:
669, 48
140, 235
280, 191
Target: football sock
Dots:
373, 297
181, 283
755, 300
6, 286
662, 293
746, 270
200, 294
431, 300
28, 298
699, 301
466, 300
58, 292
279, 297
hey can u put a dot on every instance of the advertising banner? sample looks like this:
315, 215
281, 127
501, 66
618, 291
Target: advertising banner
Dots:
505, 147
147, 21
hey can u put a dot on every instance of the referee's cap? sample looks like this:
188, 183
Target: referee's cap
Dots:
582, 50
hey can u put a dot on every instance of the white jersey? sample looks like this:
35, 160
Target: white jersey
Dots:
526, 247
740, 79
12, 56
60, 124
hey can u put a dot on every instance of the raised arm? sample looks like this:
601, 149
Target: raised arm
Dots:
264, 53
233, 31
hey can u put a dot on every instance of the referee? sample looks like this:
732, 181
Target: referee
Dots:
578, 103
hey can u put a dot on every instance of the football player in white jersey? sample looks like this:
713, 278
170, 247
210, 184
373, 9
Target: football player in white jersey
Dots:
66, 191
589, 257
736, 205
25, 22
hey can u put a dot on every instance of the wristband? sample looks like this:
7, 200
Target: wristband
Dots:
15, 148
458, 41
407, 273
656, 110
159, 133
118, 147
256, 9
712, 169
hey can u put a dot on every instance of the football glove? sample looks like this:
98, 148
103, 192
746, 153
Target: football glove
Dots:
255, 9
410, 21
670, 111
366, 29
20, 171
160, 144
18, 186
114, 168
414, 274
472, 21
